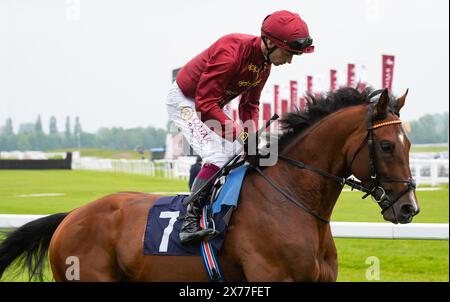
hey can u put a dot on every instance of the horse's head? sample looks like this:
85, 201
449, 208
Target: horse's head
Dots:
381, 161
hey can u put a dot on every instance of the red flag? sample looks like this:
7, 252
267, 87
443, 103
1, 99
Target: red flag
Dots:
302, 103
309, 83
408, 127
362, 78
284, 107
266, 112
362, 86
351, 75
293, 95
276, 94
333, 79
388, 72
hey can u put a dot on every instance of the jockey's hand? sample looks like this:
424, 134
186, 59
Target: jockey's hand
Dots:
250, 143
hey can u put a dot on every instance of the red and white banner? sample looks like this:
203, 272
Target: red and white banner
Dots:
309, 83
284, 107
333, 79
351, 75
302, 103
294, 95
276, 95
266, 112
362, 86
387, 72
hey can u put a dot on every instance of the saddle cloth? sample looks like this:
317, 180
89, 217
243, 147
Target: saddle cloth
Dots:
165, 218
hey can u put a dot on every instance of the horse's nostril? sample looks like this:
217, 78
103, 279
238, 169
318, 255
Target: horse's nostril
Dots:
407, 209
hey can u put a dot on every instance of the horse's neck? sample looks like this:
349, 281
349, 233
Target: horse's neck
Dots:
324, 146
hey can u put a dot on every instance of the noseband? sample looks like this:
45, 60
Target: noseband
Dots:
375, 189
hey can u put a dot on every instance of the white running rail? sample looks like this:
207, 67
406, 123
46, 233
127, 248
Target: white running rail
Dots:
339, 229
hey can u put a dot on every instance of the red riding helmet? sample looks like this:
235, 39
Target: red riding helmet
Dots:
287, 30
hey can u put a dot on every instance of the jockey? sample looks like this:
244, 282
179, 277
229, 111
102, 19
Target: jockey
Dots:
236, 64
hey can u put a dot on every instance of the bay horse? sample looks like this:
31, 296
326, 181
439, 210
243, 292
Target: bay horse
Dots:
280, 229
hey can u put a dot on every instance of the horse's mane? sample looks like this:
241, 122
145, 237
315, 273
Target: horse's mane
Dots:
318, 107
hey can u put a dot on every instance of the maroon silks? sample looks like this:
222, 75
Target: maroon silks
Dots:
233, 65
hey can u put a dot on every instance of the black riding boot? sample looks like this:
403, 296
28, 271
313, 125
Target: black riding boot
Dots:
191, 231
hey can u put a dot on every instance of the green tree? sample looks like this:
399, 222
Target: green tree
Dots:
26, 128
77, 128
53, 139
8, 127
68, 134
53, 127
38, 125
23, 142
77, 132
429, 129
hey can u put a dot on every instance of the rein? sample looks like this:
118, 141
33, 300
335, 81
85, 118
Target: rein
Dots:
383, 200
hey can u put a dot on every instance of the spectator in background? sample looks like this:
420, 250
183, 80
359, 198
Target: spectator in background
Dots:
195, 168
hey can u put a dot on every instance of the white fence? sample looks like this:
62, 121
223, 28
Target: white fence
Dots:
428, 231
425, 171
178, 169
31, 155
430, 171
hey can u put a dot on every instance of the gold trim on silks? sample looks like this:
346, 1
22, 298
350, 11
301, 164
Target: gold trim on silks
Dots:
255, 69
243, 136
386, 124
186, 113
248, 83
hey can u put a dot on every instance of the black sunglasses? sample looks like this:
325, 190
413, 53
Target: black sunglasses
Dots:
300, 45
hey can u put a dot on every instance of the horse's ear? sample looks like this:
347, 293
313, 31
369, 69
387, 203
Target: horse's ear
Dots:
383, 103
401, 101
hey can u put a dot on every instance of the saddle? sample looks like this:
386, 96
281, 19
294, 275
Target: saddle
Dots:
165, 217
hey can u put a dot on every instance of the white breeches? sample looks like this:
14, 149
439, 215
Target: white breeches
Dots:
208, 144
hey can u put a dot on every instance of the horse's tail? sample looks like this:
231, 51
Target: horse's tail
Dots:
29, 244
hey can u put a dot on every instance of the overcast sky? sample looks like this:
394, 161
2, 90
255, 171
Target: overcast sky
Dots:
110, 61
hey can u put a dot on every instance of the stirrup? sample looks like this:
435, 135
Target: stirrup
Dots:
210, 236
212, 233
196, 237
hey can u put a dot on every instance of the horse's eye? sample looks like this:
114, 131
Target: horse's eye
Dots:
387, 147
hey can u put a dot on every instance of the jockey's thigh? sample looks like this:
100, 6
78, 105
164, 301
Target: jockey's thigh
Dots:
209, 145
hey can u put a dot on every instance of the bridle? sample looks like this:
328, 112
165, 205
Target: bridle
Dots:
383, 199
374, 189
